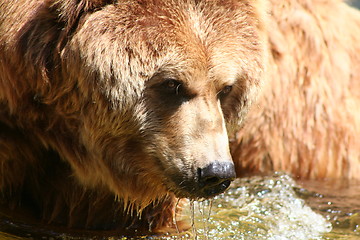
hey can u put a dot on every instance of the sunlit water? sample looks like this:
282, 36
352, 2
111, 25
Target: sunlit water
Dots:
272, 207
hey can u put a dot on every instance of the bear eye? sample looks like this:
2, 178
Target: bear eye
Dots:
172, 85
226, 90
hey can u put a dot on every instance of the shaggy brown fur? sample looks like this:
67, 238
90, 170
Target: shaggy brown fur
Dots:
109, 109
308, 119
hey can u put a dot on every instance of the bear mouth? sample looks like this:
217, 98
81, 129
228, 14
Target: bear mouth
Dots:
197, 189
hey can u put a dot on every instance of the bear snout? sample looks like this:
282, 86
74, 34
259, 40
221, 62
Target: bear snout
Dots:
206, 182
215, 178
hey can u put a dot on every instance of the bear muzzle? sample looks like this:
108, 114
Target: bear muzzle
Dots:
207, 181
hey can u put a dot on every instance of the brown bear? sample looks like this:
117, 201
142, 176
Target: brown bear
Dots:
111, 110
307, 121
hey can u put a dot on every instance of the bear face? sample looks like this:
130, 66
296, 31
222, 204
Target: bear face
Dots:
138, 97
168, 78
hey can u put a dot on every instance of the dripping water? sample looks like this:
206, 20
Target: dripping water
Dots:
192, 214
207, 220
201, 206
200, 212
174, 217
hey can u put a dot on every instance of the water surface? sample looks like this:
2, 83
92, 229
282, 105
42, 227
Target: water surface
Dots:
269, 207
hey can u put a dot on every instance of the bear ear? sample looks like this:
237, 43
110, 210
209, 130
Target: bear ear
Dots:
70, 11
40, 38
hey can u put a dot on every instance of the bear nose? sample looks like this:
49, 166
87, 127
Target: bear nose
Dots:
216, 177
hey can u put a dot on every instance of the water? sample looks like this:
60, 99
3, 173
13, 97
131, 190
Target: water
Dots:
264, 208
273, 207
338, 202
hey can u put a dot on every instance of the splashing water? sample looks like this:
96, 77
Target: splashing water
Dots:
259, 208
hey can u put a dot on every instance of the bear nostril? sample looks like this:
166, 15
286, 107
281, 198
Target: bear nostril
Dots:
216, 177
211, 181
